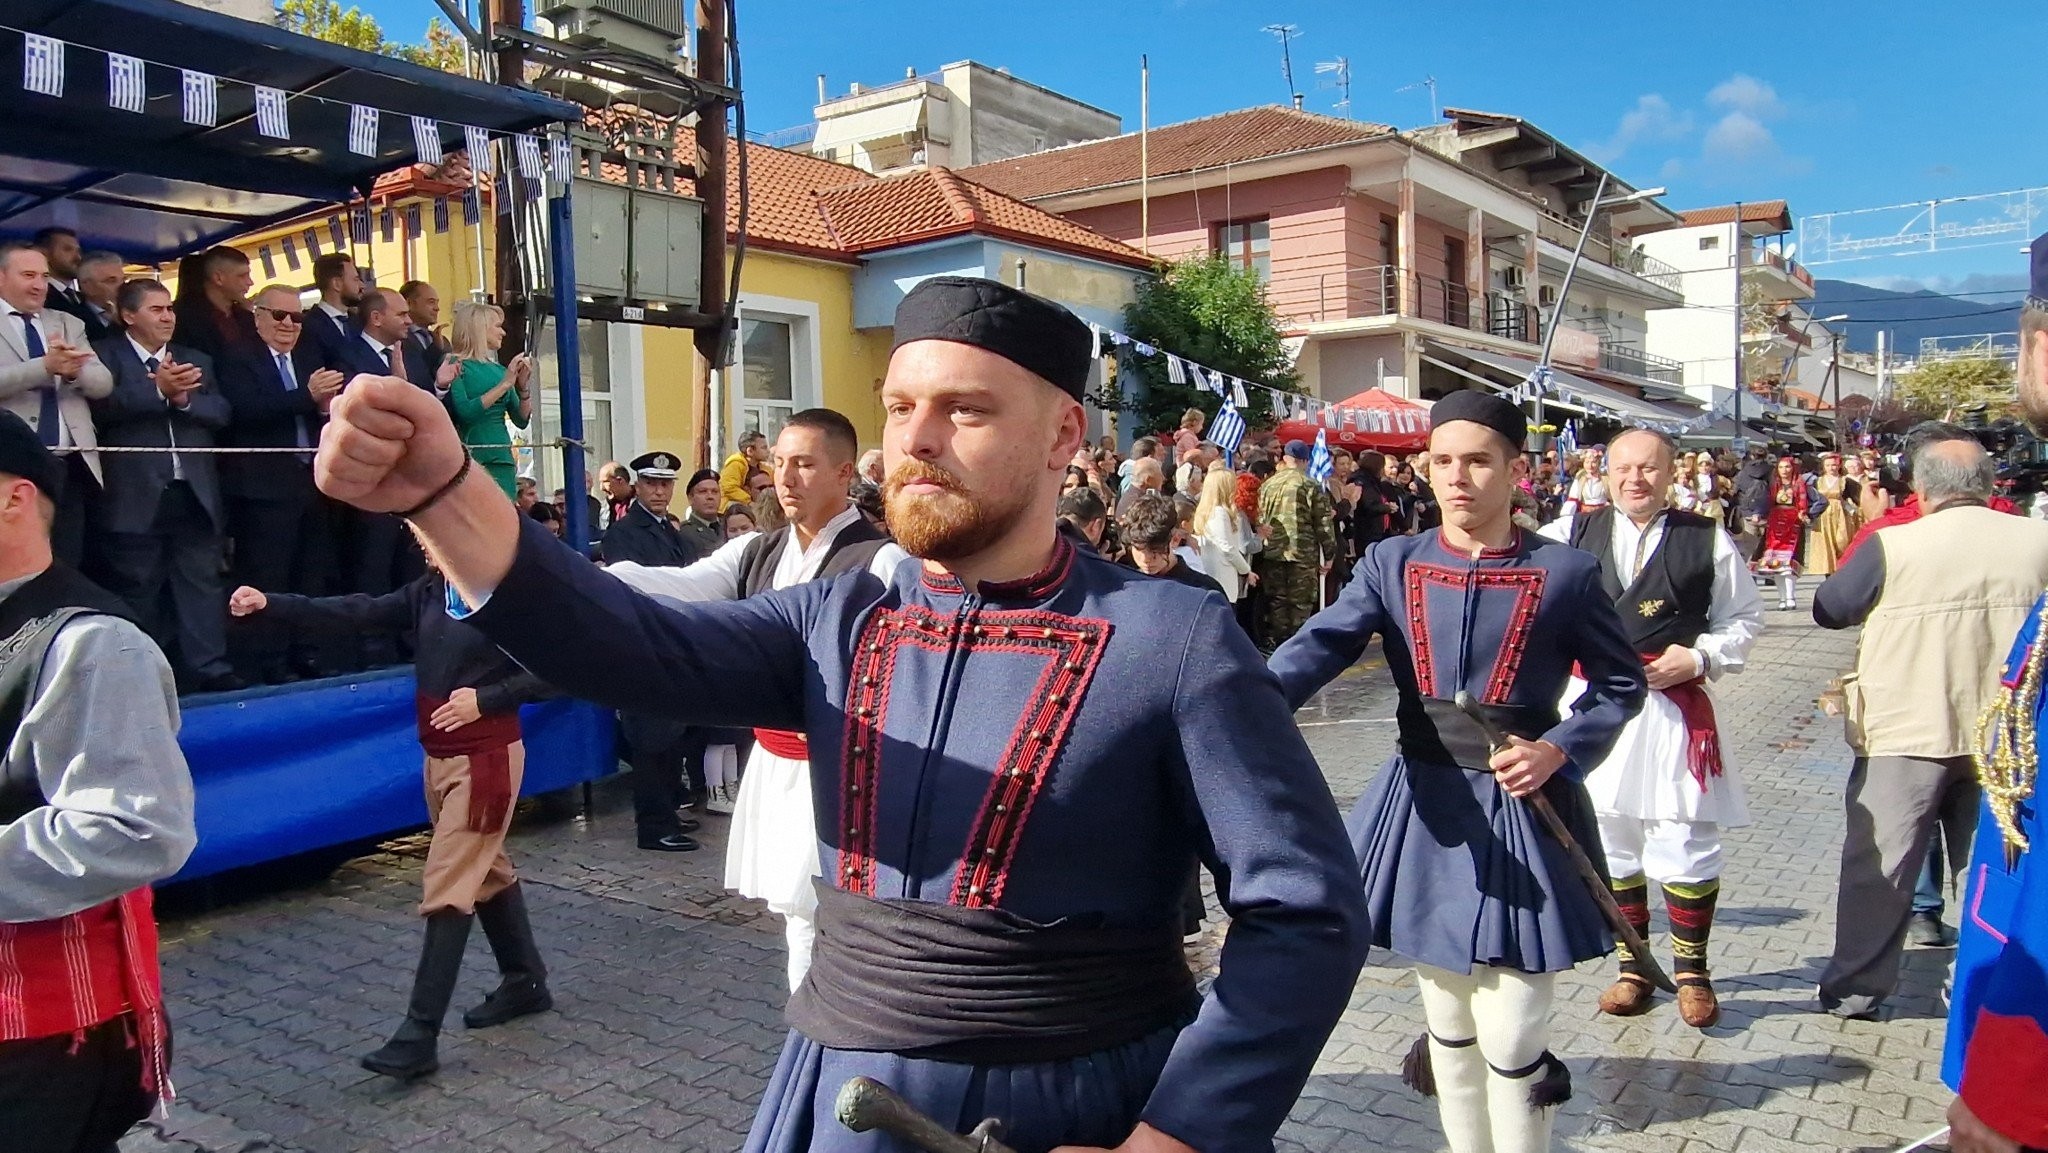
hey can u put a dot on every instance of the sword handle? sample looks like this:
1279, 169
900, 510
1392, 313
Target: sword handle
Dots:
866, 1104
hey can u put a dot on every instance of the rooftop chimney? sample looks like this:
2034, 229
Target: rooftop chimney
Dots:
821, 87
1297, 102
910, 72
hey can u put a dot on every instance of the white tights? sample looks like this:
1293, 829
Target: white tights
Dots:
1788, 590
1508, 1013
721, 766
800, 929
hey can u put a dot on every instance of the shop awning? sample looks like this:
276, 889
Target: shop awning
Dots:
150, 186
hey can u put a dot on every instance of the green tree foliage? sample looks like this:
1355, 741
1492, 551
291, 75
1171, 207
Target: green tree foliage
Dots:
351, 27
1211, 311
1939, 387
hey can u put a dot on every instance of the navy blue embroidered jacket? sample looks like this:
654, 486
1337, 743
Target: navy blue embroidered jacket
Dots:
1064, 746
1508, 626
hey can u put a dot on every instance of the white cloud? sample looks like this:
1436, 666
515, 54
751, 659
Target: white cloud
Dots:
1745, 93
1738, 138
1652, 120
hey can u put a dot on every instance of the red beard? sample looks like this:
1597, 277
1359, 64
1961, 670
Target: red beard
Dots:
948, 525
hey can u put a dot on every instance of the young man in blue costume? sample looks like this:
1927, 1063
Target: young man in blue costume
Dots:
1019, 753
1997, 1058
1459, 877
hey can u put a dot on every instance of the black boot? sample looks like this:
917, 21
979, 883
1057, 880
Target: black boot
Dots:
524, 987
412, 1052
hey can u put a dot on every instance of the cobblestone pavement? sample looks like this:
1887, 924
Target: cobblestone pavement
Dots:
669, 991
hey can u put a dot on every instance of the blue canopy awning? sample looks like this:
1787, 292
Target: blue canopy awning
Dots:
151, 187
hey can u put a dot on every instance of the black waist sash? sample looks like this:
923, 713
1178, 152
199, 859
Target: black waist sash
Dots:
1435, 732
983, 986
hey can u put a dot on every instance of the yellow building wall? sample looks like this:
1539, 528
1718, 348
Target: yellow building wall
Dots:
447, 260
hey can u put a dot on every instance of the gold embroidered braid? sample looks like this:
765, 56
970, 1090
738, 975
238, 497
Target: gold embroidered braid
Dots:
2006, 760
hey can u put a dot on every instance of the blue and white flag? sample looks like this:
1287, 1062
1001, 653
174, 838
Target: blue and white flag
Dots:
272, 119
426, 139
339, 232
1568, 440
125, 88
1320, 466
1174, 371
527, 146
42, 65
562, 166
1227, 430
1237, 396
362, 130
202, 98
478, 142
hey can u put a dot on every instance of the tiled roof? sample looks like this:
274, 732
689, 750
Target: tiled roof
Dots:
1753, 212
1210, 142
935, 202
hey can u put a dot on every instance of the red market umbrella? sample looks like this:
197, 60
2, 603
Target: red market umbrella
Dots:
1372, 421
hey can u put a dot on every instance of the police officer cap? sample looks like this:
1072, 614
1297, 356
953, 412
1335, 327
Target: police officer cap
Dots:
1298, 449
23, 454
1029, 331
655, 466
1484, 408
2037, 283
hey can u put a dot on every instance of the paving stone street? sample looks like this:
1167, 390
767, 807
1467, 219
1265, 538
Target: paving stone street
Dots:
669, 991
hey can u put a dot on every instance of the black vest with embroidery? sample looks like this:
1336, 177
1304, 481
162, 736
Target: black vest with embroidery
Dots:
853, 549
1670, 601
29, 620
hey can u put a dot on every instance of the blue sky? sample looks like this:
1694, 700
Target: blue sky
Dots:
1833, 108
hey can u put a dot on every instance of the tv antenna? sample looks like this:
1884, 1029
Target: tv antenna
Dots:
1428, 82
1286, 33
1341, 69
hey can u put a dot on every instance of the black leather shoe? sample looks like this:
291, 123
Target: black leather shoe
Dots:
673, 843
686, 824
509, 1001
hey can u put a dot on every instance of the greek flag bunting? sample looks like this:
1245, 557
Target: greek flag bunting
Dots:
359, 224
1237, 396
528, 148
362, 130
426, 139
272, 119
335, 230
291, 253
125, 87
1227, 430
313, 243
202, 98
42, 65
269, 264
1174, 371
478, 142
387, 224
412, 220
440, 214
1320, 466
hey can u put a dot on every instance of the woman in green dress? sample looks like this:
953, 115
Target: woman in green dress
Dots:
485, 394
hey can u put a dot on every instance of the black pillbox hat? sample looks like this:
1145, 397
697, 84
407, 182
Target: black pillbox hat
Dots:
1030, 331
1486, 408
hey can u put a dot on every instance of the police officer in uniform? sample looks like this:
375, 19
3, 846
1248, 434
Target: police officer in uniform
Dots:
659, 750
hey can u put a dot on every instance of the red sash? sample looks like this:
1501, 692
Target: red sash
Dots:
1696, 709
74, 972
487, 742
782, 743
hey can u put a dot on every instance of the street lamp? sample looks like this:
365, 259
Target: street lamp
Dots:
1834, 369
1571, 270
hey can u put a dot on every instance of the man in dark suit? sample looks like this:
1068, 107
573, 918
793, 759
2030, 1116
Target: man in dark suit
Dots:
281, 525
161, 515
99, 282
216, 318
60, 247
330, 324
424, 304
381, 556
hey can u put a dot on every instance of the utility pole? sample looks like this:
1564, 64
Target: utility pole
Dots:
708, 366
1286, 33
1737, 257
1145, 154
509, 64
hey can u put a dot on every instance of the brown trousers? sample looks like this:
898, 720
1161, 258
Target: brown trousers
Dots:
464, 867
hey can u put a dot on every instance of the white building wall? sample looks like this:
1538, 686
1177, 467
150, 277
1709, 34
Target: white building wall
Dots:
1700, 335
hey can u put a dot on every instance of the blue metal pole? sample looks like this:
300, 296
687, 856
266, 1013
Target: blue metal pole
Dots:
568, 370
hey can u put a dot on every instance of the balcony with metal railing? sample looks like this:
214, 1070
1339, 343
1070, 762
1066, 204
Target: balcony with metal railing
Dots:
1321, 297
1793, 281
1619, 357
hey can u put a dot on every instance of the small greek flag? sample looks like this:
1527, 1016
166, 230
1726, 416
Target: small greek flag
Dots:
125, 88
562, 158
202, 98
426, 140
1237, 396
387, 224
272, 119
362, 130
1227, 430
1174, 371
1216, 381
412, 220
1568, 440
1094, 329
501, 193
269, 265
313, 243
478, 142
340, 234
1280, 408
359, 224
1320, 466
528, 148
440, 214
42, 65
291, 254
472, 208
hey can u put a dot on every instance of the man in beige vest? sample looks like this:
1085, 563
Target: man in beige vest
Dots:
1938, 609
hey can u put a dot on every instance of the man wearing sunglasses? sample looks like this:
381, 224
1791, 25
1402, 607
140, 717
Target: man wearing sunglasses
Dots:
281, 526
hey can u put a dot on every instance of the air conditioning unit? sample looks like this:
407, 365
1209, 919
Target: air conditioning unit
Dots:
1512, 277
656, 28
1546, 294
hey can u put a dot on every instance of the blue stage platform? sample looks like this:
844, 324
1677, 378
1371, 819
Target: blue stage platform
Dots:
285, 770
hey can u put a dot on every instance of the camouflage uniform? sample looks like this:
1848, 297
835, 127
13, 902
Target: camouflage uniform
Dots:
1304, 533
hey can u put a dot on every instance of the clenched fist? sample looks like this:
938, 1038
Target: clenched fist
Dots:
388, 445
246, 600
